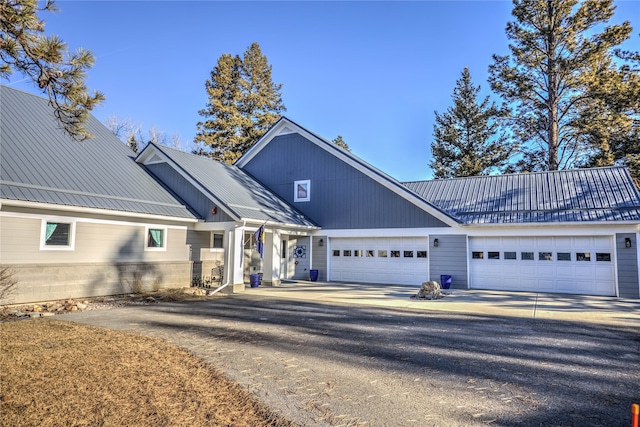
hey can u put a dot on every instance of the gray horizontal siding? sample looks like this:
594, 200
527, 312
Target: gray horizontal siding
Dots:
341, 196
627, 258
320, 256
450, 257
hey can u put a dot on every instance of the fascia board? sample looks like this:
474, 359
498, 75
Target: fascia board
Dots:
158, 151
360, 165
96, 211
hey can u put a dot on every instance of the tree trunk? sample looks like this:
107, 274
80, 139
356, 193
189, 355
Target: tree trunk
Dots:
552, 123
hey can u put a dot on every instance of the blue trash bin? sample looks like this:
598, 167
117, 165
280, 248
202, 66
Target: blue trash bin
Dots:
313, 275
254, 280
445, 281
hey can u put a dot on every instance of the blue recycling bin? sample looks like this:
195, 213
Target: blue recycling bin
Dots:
254, 280
445, 281
313, 275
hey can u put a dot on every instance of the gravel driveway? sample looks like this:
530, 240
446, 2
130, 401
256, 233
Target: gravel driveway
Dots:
327, 364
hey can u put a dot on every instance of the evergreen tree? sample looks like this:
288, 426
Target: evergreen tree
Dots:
554, 45
340, 143
45, 60
467, 141
243, 104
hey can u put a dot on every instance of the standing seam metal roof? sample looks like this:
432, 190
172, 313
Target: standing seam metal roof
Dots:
581, 195
41, 163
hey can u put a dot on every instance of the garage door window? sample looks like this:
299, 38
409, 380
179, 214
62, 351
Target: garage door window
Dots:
336, 253
583, 256
477, 255
545, 256
357, 252
346, 253
382, 254
564, 256
526, 256
371, 254
422, 254
493, 255
600, 256
395, 254
509, 255
408, 254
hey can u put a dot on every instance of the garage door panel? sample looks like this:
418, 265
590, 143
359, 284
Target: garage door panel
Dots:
377, 265
557, 273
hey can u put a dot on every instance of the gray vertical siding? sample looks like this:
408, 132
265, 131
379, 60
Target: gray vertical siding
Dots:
185, 190
320, 256
341, 196
450, 257
628, 286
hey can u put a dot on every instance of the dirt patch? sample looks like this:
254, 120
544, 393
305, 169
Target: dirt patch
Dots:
62, 373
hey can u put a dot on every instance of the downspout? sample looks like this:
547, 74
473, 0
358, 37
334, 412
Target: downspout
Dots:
227, 282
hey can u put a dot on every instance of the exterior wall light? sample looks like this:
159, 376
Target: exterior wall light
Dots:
627, 242
435, 243
321, 242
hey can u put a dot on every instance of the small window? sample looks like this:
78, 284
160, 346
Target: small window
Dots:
408, 254
603, 256
346, 252
395, 254
357, 252
526, 256
564, 256
156, 239
477, 255
421, 254
583, 256
302, 191
217, 241
371, 254
382, 254
336, 252
545, 256
57, 234
493, 255
509, 255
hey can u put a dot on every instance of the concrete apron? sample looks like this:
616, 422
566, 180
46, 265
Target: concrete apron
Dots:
581, 308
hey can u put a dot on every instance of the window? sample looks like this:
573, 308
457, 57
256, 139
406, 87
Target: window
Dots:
421, 254
564, 256
217, 241
583, 256
346, 253
370, 254
156, 239
545, 256
336, 252
357, 252
382, 254
601, 256
477, 255
302, 191
509, 255
57, 235
395, 254
493, 255
408, 254
526, 256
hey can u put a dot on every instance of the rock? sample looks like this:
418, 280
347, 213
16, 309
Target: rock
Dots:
47, 314
82, 306
73, 308
150, 300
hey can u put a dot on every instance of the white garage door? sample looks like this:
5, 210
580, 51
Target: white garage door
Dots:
575, 265
399, 260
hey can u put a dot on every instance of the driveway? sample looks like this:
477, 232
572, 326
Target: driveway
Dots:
324, 362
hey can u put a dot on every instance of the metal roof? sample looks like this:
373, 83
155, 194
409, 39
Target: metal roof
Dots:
240, 194
40, 163
581, 195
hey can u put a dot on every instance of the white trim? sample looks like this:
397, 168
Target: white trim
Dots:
165, 237
89, 220
296, 197
220, 233
61, 220
79, 209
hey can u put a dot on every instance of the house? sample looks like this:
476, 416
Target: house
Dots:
91, 218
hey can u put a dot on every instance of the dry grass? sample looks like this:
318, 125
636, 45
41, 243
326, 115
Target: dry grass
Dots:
56, 373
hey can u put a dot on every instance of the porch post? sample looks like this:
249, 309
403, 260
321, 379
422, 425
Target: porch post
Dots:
236, 259
272, 262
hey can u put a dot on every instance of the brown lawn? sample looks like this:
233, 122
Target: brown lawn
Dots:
57, 373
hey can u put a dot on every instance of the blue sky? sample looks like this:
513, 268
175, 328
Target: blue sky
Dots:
373, 72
